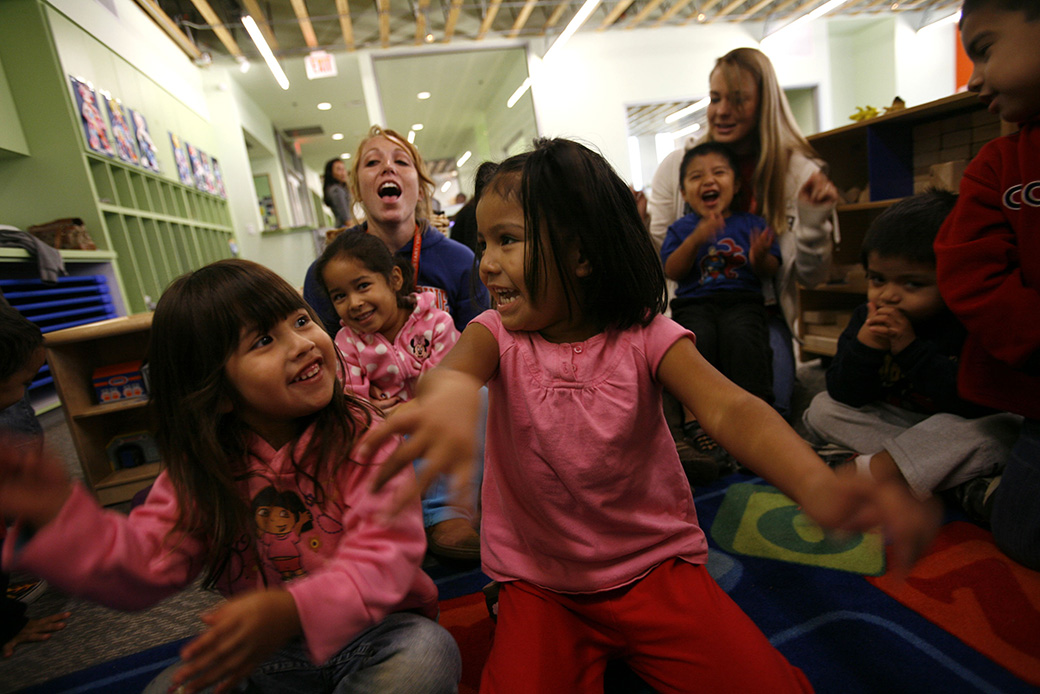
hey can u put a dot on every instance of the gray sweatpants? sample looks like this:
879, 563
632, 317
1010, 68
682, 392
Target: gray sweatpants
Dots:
934, 452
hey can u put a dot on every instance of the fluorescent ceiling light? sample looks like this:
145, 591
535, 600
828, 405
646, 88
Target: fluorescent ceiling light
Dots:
692, 108
411, 137
337, 136
444, 188
417, 126
261, 45
345, 155
422, 96
520, 91
576, 21
243, 64
324, 106
464, 158
689, 130
809, 16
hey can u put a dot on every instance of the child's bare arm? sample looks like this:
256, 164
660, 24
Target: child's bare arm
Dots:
242, 632
441, 420
759, 438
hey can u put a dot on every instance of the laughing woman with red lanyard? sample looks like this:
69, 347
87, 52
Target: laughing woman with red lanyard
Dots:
390, 181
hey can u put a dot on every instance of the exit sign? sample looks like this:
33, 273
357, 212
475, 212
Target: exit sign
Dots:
320, 64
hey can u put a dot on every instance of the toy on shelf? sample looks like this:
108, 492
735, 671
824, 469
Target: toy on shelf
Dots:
897, 105
119, 382
864, 113
132, 450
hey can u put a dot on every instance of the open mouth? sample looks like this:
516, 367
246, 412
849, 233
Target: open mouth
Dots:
389, 190
506, 296
710, 196
307, 374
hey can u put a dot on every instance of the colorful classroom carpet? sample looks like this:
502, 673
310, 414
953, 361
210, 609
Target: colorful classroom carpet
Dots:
966, 619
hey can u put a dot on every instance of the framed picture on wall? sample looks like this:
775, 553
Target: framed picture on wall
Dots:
218, 179
180, 155
149, 158
122, 135
197, 170
94, 128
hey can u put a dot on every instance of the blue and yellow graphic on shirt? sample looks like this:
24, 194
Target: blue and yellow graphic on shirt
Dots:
759, 521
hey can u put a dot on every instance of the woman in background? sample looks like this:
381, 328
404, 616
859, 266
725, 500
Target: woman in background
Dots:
337, 195
749, 112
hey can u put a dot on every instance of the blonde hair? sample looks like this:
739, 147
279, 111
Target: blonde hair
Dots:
422, 205
777, 132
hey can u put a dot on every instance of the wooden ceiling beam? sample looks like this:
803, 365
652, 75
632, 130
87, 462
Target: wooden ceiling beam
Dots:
158, 16
554, 18
643, 13
671, 12
217, 25
453, 18
420, 22
345, 25
254, 11
489, 18
306, 28
384, 22
521, 18
702, 11
724, 11
618, 10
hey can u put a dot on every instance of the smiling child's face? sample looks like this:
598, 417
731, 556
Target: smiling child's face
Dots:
709, 184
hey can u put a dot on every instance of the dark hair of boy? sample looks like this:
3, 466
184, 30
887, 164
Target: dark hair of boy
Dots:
908, 228
19, 338
740, 201
572, 197
1031, 8
375, 256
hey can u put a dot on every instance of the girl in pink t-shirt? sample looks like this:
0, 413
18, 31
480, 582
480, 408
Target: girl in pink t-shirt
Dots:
256, 435
588, 521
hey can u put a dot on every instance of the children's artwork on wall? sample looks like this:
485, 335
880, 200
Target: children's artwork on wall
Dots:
180, 155
121, 132
218, 179
145, 144
197, 169
207, 167
93, 123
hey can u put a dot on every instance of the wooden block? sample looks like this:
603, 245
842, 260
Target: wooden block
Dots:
827, 346
932, 129
820, 317
824, 330
947, 175
983, 117
928, 158
955, 138
927, 144
954, 153
986, 132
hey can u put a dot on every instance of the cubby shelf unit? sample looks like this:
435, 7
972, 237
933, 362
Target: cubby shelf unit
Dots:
159, 229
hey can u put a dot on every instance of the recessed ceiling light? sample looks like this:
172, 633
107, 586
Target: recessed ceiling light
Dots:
701, 17
429, 38
423, 95
345, 155
337, 136
417, 126
324, 106
464, 158
411, 137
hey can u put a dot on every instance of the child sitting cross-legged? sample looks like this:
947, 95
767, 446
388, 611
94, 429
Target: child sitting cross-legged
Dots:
892, 386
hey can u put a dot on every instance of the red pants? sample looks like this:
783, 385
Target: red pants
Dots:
675, 628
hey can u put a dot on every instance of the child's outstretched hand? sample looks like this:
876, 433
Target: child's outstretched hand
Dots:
33, 483
440, 426
37, 630
242, 633
851, 502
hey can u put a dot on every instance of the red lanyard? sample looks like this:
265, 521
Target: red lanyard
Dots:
416, 248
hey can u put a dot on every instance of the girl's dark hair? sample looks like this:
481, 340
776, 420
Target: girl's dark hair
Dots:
908, 228
197, 325
374, 255
740, 201
327, 179
572, 198
1031, 8
19, 338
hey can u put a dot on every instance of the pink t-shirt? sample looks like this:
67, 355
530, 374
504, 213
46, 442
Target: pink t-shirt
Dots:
583, 490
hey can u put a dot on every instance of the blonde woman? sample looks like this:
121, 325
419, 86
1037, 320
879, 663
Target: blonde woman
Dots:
390, 181
749, 112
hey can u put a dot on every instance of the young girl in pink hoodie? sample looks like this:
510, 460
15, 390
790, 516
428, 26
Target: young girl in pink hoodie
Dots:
263, 493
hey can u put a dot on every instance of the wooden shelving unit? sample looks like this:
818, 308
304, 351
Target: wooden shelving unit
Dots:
73, 355
886, 156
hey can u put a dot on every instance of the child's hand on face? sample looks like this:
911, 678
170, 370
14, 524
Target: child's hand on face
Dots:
893, 325
242, 632
871, 334
33, 483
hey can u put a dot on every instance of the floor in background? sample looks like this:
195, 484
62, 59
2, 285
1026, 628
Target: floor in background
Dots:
96, 634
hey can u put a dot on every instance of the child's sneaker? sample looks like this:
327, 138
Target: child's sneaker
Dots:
27, 591
835, 455
703, 443
975, 497
700, 468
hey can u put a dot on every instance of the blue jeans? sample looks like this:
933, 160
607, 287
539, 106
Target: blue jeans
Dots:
21, 419
783, 363
1016, 502
404, 653
437, 500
